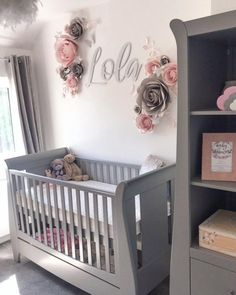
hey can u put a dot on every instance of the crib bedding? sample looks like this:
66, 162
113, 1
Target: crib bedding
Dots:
90, 184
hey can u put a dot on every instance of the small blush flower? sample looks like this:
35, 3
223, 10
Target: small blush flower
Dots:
144, 123
152, 66
170, 75
66, 51
72, 83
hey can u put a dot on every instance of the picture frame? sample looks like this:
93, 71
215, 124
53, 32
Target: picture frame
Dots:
219, 156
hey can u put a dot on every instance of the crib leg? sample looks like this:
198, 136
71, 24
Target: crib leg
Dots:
15, 250
13, 230
16, 256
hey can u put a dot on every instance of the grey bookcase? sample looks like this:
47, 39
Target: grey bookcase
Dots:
206, 59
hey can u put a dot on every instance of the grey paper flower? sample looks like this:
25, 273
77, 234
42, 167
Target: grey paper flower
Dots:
137, 109
153, 95
77, 69
164, 60
76, 28
64, 72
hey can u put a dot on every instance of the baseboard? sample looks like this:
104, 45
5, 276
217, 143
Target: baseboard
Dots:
4, 239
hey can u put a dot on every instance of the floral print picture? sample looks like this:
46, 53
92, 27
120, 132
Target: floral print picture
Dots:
67, 55
155, 92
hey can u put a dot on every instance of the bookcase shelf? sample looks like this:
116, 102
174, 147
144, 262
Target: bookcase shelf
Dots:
206, 60
220, 185
212, 257
213, 113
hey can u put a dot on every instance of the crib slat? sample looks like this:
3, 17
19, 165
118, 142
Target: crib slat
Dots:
14, 201
88, 232
55, 196
64, 227
72, 231
87, 168
31, 207
79, 228
42, 206
108, 174
49, 216
25, 205
96, 231
115, 180
122, 173
95, 171
37, 209
102, 172
129, 173
99, 171
22, 225
106, 238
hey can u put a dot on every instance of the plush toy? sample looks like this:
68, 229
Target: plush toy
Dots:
73, 172
56, 170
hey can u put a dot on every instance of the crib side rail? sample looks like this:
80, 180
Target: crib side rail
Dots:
107, 171
65, 219
36, 163
154, 189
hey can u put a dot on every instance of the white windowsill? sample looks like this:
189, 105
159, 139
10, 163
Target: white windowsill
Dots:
4, 239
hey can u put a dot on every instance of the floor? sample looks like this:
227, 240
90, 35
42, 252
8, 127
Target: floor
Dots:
26, 278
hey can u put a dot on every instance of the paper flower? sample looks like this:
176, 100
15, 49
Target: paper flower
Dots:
66, 51
152, 66
72, 82
75, 28
77, 69
154, 93
64, 72
153, 96
144, 123
169, 74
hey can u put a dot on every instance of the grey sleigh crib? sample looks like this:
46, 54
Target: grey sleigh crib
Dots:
109, 235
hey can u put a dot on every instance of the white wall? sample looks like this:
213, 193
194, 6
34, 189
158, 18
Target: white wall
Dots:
99, 123
218, 6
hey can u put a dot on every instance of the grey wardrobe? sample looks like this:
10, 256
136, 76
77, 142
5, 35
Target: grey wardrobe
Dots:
206, 60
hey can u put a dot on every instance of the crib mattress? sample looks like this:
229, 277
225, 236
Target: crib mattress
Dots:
94, 185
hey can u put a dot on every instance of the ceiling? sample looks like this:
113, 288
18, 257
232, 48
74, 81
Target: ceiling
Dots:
23, 35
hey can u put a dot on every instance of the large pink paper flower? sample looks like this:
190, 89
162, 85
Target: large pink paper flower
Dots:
72, 83
152, 65
66, 51
169, 74
144, 123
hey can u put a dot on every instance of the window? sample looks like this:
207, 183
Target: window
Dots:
11, 139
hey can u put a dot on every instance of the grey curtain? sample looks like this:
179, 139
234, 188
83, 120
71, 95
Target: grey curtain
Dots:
22, 84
